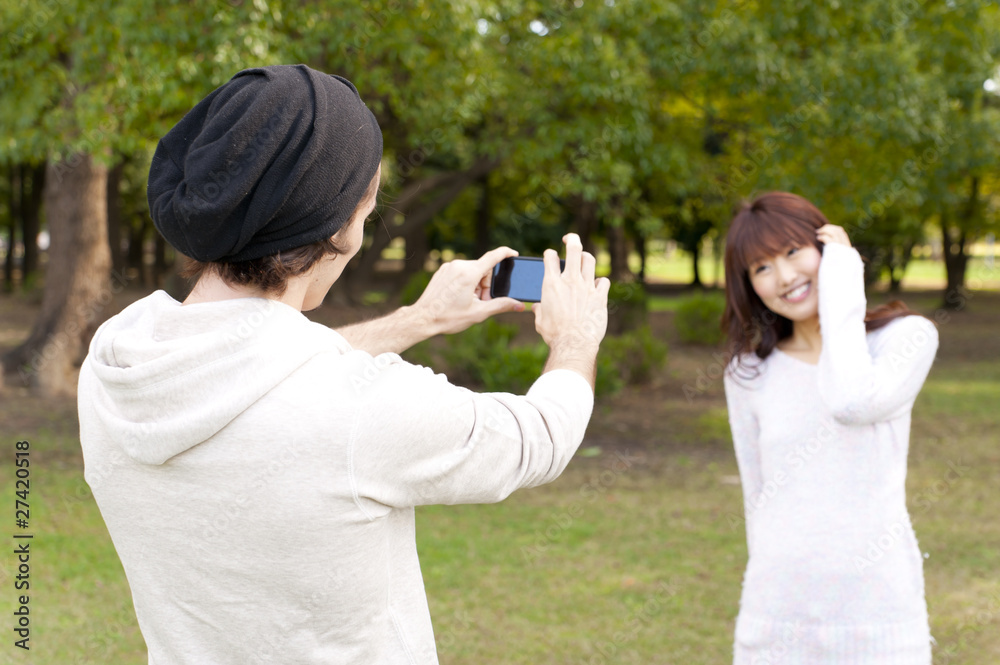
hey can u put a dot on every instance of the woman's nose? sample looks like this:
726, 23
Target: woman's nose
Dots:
786, 273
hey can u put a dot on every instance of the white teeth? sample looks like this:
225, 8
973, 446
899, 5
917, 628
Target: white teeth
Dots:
792, 295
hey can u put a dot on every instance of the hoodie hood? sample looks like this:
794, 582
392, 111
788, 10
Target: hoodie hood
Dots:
168, 376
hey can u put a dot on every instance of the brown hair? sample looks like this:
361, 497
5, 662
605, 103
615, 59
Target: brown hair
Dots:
270, 273
766, 226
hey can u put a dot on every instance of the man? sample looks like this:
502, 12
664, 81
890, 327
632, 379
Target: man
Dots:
257, 471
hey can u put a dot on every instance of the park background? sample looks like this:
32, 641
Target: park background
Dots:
639, 125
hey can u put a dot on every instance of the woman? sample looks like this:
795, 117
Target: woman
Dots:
819, 395
258, 472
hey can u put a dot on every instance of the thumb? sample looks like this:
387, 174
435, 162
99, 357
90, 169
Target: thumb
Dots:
498, 305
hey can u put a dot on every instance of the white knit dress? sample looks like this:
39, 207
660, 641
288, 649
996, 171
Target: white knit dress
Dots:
835, 575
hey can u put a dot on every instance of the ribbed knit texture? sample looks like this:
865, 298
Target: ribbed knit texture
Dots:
835, 574
258, 476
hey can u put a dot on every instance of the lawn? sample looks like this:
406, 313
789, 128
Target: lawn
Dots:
635, 555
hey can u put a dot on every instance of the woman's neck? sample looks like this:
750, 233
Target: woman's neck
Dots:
805, 342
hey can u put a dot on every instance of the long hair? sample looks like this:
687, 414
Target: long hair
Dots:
764, 227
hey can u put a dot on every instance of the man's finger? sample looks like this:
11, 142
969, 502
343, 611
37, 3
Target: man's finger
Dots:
500, 305
495, 256
588, 266
574, 250
551, 261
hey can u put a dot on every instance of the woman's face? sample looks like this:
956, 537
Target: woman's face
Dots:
787, 282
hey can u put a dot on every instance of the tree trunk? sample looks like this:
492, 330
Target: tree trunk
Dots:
14, 182
640, 247
417, 251
955, 240
115, 217
159, 261
31, 202
716, 261
76, 280
696, 254
955, 261
134, 257
618, 249
898, 267
586, 223
484, 215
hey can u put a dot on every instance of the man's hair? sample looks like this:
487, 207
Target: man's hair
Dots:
270, 274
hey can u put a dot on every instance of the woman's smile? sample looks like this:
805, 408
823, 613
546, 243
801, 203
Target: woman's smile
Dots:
798, 294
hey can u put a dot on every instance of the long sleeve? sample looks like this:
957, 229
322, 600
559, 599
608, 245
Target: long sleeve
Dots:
746, 442
421, 440
859, 387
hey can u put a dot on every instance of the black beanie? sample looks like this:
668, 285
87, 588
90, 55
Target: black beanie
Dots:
276, 158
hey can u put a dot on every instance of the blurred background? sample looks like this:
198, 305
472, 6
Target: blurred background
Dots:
638, 125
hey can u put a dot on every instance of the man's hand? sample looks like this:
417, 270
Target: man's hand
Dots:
574, 307
573, 315
458, 295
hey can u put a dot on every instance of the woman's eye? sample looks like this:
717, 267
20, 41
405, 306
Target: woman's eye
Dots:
792, 250
759, 269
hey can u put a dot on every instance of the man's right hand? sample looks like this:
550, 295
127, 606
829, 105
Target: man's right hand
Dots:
572, 317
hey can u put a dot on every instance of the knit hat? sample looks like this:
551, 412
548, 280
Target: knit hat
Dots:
276, 158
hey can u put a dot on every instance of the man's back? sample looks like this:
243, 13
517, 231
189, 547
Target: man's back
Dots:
258, 478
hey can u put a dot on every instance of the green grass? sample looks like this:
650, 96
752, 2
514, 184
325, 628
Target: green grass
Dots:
599, 562
637, 564
674, 522
79, 600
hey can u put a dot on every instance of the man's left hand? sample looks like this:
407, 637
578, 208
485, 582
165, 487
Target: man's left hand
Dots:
458, 295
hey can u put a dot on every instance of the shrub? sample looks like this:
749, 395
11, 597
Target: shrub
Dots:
514, 369
629, 359
628, 306
482, 357
698, 319
466, 354
414, 287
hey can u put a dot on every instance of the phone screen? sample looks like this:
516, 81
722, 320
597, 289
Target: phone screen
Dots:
519, 278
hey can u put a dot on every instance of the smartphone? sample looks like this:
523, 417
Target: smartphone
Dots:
519, 278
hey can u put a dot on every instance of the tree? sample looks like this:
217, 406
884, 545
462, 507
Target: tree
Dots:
79, 83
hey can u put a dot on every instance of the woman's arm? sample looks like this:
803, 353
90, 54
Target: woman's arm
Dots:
457, 297
858, 387
746, 438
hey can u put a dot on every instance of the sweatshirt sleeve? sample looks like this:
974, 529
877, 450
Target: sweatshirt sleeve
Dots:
859, 386
421, 440
746, 442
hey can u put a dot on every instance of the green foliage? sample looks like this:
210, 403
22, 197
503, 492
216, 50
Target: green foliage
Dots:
483, 357
415, 287
464, 353
629, 359
875, 110
513, 370
698, 319
628, 307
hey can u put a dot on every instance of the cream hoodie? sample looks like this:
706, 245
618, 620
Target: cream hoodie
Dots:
258, 476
